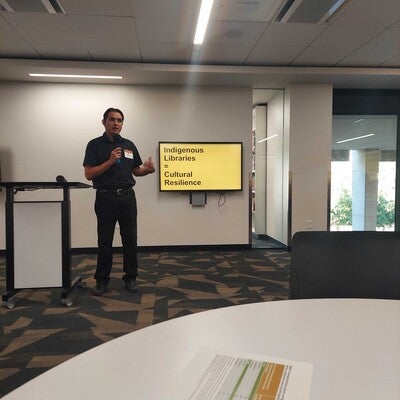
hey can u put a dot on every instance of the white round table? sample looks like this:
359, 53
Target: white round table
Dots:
353, 344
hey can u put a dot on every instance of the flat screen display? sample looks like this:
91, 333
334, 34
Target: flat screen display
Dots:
200, 166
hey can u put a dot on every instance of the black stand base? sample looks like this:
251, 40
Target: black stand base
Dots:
9, 301
67, 301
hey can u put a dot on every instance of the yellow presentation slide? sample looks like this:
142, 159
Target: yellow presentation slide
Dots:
200, 166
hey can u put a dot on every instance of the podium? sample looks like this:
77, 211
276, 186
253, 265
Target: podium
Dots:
38, 241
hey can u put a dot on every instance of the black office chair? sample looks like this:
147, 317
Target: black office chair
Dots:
345, 264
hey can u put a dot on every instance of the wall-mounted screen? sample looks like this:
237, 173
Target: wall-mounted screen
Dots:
200, 166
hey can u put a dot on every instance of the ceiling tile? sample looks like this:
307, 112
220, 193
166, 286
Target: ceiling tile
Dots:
393, 63
350, 36
224, 54
244, 10
390, 38
366, 33
42, 25
320, 56
171, 9
234, 32
165, 31
381, 14
290, 34
105, 28
6, 30
120, 51
166, 52
60, 49
17, 47
368, 57
121, 8
273, 55
379, 50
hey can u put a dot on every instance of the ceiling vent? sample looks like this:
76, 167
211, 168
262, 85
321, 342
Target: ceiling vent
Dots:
310, 11
32, 6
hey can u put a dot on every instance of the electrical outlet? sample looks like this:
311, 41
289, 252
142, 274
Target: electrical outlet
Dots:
309, 224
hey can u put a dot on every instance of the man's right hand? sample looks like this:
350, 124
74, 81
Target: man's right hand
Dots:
92, 172
116, 154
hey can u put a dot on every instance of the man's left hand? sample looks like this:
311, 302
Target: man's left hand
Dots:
149, 165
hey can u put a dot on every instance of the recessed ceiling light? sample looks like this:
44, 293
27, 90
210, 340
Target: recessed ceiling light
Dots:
77, 76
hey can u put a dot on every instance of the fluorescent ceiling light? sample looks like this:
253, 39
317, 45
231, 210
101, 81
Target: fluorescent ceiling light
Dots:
78, 76
267, 138
202, 22
355, 138
358, 120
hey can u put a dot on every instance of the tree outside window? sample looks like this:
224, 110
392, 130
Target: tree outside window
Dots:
341, 214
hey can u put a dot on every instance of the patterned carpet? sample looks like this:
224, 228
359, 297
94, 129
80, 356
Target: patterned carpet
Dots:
39, 332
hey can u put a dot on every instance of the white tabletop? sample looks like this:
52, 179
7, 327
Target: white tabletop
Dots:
354, 346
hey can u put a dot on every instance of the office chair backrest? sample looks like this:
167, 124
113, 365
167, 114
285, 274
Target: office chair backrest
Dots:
345, 264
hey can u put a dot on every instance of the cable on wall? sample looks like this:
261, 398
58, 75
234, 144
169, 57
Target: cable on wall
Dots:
221, 200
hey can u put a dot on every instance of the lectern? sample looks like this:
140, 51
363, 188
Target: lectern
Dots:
38, 241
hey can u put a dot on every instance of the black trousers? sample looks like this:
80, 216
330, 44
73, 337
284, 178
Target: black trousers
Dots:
110, 208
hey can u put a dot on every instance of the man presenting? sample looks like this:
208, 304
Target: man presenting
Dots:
110, 161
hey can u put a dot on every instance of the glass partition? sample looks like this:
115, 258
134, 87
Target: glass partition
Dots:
363, 172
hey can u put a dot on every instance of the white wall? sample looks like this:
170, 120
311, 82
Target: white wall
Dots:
45, 129
308, 111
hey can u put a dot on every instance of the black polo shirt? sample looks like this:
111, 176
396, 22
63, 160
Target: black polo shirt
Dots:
119, 175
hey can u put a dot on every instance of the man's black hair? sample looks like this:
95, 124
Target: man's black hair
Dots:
105, 115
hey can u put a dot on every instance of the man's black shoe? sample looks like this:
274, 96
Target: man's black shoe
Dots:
100, 289
131, 286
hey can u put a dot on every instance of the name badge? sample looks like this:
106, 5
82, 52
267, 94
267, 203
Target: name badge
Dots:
128, 154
